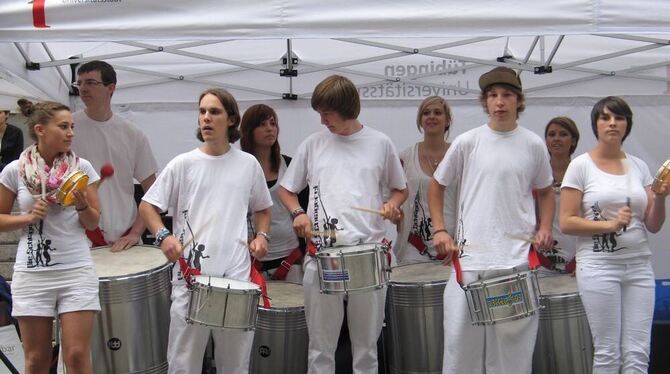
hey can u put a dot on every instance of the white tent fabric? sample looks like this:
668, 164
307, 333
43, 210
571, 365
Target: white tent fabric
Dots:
569, 53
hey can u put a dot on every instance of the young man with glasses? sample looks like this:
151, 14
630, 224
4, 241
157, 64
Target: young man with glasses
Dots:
104, 137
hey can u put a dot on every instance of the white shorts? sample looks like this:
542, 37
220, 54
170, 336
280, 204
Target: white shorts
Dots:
41, 293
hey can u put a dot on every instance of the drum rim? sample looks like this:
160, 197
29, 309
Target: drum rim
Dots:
336, 251
134, 275
68, 185
501, 279
195, 284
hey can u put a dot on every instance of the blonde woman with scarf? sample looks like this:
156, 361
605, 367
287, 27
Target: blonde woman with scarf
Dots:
53, 270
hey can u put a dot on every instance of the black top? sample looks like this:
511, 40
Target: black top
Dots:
12, 145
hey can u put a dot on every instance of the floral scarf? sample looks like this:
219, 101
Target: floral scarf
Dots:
33, 168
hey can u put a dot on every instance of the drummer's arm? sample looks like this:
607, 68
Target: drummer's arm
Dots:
655, 215
87, 207
259, 245
546, 205
301, 222
138, 227
151, 216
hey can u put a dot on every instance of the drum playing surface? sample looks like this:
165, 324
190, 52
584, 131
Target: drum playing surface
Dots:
421, 273
558, 285
285, 294
131, 261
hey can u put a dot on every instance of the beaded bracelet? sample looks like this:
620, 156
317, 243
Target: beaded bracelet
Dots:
297, 212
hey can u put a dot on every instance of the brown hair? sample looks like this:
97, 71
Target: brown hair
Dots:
39, 113
338, 94
615, 105
253, 117
430, 100
230, 105
569, 125
520, 97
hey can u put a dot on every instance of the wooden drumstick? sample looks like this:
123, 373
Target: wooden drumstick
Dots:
532, 241
368, 210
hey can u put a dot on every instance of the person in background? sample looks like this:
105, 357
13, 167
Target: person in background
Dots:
54, 270
608, 203
12, 140
415, 232
260, 137
103, 137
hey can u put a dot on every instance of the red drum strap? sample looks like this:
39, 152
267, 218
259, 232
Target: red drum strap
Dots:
285, 267
257, 278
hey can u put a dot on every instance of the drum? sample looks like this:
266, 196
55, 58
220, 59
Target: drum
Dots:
223, 303
564, 342
356, 268
77, 180
134, 297
414, 334
663, 175
504, 298
281, 340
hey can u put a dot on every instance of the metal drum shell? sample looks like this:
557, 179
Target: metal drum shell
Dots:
564, 342
415, 314
224, 308
366, 270
477, 295
663, 175
130, 334
281, 340
77, 180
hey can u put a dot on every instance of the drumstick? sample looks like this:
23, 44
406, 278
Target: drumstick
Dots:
521, 237
367, 210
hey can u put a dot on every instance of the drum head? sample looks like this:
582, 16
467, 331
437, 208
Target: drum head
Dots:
425, 272
233, 284
562, 284
334, 251
285, 294
136, 259
75, 181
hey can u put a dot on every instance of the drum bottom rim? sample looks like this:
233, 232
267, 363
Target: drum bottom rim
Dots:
202, 323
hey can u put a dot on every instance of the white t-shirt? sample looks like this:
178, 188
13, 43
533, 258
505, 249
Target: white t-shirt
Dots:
603, 195
416, 212
118, 142
497, 172
345, 171
284, 239
209, 197
62, 243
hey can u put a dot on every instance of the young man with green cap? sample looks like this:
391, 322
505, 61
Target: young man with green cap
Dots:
496, 166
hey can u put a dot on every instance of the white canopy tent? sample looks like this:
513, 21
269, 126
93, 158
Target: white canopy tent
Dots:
569, 53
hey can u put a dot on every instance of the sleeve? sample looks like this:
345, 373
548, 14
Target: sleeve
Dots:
575, 175
395, 175
543, 175
88, 169
295, 178
303, 196
9, 176
145, 162
450, 169
163, 192
260, 195
645, 175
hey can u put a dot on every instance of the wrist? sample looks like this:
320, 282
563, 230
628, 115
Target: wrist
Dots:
439, 231
264, 235
297, 212
160, 235
81, 209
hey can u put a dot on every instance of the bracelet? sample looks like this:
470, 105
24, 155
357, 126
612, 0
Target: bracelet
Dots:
440, 230
265, 235
81, 209
297, 212
161, 234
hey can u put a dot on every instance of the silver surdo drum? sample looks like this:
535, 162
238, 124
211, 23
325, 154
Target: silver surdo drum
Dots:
564, 342
223, 303
130, 335
357, 268
414, 334
281, 340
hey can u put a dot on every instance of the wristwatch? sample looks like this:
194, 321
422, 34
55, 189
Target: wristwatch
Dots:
264, 234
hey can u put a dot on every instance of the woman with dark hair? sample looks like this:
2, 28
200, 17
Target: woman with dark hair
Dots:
53, 269
415, 231
561, 136
260, 134
607, 202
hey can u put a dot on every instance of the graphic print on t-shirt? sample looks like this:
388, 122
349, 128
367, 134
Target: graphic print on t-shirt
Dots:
38, 251
329, 223
603, 242
460, 236
421, 223
196, 250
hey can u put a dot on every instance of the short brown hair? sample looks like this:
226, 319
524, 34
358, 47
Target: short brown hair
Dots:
430, 100
39, 113
569, 125
520, 97
615, 105
338, 94
253, 117
230, 105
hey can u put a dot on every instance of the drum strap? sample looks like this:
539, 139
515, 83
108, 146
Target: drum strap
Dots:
416, 241
546, 263
186, 271
286, 263
257, 278
311, 248
97, 238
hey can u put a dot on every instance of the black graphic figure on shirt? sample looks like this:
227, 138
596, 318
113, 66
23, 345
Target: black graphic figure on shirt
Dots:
604, 242
330, 224
422, 223
197, 254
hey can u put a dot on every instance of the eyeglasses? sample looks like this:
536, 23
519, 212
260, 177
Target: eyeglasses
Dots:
88, 82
